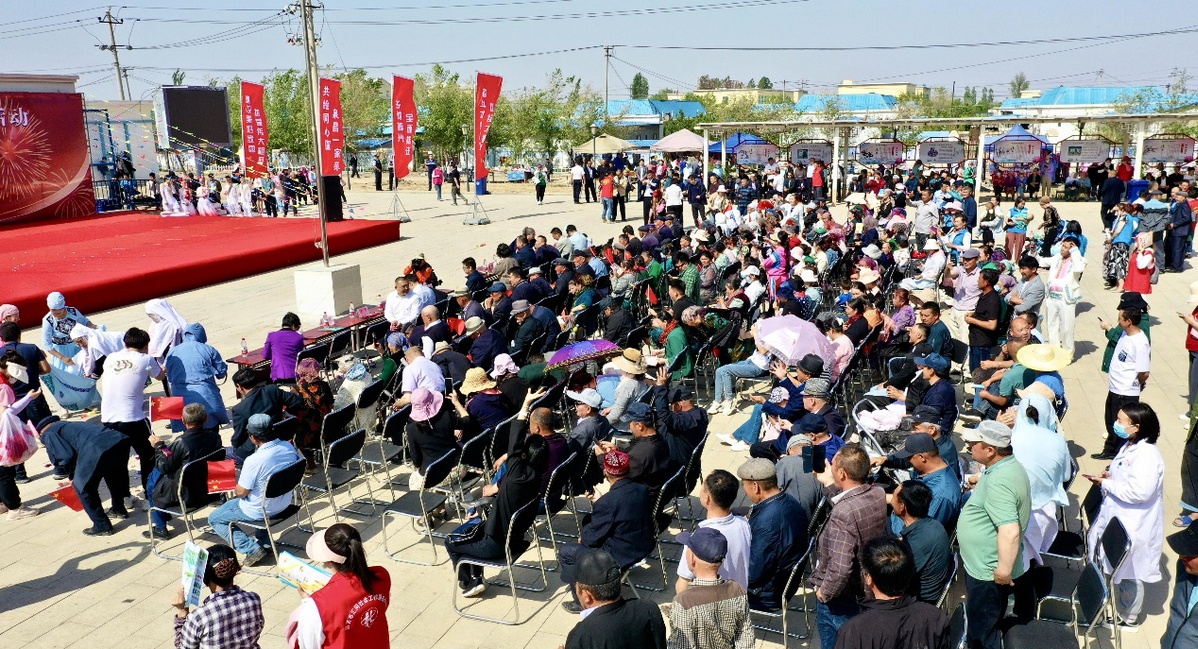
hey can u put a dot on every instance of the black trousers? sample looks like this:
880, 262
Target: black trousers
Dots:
378, 180
111, 470
272, 206
567, 558
590, 191
10, 495
353, 171
698, 211
540, 193
646, 205
620, 203
987, 604
138, 433
1114, 403
765, 450
577, 190
483, 548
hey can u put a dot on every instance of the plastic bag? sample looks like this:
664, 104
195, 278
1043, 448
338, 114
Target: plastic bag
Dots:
17, 441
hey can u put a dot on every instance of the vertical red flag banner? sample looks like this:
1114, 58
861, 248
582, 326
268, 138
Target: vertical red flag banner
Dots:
403, 124
254, 133
332, 129
486, 93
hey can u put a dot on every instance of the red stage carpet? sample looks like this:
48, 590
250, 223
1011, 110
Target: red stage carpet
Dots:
104, 262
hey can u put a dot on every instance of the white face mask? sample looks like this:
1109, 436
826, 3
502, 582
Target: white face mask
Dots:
18, 373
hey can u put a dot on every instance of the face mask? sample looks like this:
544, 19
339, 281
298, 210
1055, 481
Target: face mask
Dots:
1120, 431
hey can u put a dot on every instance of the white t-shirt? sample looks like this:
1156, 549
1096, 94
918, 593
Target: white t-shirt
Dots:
736, 563
1133, 355
576, 172
125, 376
673, 196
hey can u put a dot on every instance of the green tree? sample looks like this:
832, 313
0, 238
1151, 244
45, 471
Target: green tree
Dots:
233, 96
663, 94
445, 107
177, 77
365, 103
640, 87
764, 83
1018, 84
288, 110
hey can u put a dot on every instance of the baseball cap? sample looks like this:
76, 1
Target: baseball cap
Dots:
989, 432
934, 361
497, 287
597, 568
971, 253
1185, 542
681, 393
812, 423
589, 396
757, 468
259, 426
638, 412
925, 415
916, 443
706, 543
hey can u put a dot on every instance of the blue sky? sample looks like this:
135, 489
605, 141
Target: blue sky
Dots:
61, 37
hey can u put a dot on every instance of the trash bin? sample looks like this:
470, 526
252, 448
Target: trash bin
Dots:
480, 187
1134, 187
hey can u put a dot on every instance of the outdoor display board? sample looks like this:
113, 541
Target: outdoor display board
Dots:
879, 153
941, 152
1168, 149
1084, 151
45, 166
1013, 151
756, 154
804, 152
192, 116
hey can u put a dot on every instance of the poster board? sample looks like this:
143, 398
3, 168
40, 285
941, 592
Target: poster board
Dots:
1016, 152
1084, 151
889, 152
1173, 149
804, 152
195, 562
756, 154
45, 164
941, 152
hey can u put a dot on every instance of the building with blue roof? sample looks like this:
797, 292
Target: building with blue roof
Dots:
647, 117
1072, 104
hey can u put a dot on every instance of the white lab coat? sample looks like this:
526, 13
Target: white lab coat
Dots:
1135, 494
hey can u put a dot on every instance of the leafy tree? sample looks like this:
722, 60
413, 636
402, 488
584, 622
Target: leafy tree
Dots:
663, 94
233, 96
640, 87
445, 106
365, 103
177, 77
764, 83
1018, 84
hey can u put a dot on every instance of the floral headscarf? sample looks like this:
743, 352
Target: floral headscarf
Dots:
308, 371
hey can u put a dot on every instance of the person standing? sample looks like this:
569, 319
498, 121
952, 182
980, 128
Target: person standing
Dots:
892, 617
577, 173
1133, 491
455, 184
607, 195
438, 176
589, 181
353, 166
91, 453
1127, 376
1181, 221
378, 175
713, 613
990, 531
541, 181
966, 292
192, 369
1064, 292
983, 321
1191, 320
56, 331
123, 402
1029, 291
351, 609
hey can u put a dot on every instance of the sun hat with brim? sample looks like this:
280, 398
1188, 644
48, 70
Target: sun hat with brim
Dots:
1193, 294
589, 396
425, 404
476, 381
474, 324
630, 361
931, 245
318, 549
1044, 357
808, 276
461, 292
868, 276
701, 236
994, 433
872, 251
520, 306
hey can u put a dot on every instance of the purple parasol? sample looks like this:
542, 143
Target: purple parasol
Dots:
581, 352
789, 339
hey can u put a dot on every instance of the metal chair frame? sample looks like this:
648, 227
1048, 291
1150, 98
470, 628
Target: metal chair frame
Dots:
427, 500
528, 511
286, 480
183, 511
792, 589
339, 453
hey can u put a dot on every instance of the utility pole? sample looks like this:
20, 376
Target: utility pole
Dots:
112, 22
128, 89
606, 83
305, 8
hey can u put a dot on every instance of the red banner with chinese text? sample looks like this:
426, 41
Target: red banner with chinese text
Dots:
332, 129
45, 164
486, 93
403, 124
254, 133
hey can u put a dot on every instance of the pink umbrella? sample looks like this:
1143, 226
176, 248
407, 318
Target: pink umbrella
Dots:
790, 338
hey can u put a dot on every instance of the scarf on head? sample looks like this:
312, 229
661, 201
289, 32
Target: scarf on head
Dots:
168, 330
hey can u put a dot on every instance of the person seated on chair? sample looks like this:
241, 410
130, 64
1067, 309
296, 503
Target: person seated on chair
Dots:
713, 613
528, 330
818, 405
926, 538
892, 617
940, 394
649, 451
521, 484
778, 528
435, 428
717, 493
453, 364
796, 480
487, 343
790, 379
420, 372
271, 456
539, 422
621, 525
257, 398
486, 405
611, 622
163, 484
431, 330
683, 425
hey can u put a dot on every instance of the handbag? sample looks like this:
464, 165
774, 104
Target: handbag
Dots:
467, 531
1073, 292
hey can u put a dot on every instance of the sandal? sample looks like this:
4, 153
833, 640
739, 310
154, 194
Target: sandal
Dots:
1183, 521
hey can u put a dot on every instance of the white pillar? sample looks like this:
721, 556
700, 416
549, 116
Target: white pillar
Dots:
723, 159
835, 165
980, 171
706, 164
1139, 150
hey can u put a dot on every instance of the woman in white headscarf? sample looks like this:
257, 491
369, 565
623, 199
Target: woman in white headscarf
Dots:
95, 345
60, 347
1044, 454
167, 328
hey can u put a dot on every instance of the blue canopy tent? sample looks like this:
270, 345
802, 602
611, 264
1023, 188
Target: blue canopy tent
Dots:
1020, 134
1017, 132
735, 140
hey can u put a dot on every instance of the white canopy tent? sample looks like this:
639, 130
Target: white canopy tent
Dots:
604, 144
683, 141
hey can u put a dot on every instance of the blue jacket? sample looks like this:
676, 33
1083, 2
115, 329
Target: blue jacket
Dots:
779, 539
622, 523
526, 256
943, 397
475, 282
78, 447
696, 193
1180, 217
1182, 630
969, 207
486, 347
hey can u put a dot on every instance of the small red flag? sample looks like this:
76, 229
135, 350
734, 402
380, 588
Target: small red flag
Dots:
67, 496
222, 476
162, 408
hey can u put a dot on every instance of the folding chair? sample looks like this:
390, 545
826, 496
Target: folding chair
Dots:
280, 483
333, 426
1071, 546
381, 453
663, 495
793, 583
515, 545
367, 400
958, 628
557, 496
194, 475
368, 337
285, 428
318, 353
1115, 546
334, 474
1087, 602
417, 505
948, 583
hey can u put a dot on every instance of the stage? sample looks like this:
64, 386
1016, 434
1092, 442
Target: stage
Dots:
107, 261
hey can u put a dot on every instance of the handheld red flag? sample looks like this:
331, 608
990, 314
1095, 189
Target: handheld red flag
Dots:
222, 476
67, 496
162, 408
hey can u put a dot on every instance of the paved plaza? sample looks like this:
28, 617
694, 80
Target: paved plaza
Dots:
59, 588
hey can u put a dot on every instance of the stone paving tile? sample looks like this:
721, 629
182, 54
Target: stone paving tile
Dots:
61, 589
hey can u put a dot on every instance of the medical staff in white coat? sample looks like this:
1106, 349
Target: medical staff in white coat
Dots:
1133, 492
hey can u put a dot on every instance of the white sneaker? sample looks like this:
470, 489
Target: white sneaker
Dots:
477, 590
727, 439
739, 447
1185, 416
21, 513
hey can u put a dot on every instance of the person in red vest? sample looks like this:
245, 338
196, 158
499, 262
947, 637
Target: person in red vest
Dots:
349, 612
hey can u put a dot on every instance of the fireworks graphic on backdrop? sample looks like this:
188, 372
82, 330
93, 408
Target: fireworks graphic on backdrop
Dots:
24, 154
82, 200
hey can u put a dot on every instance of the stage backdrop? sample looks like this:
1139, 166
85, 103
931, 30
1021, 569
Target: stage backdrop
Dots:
44, 163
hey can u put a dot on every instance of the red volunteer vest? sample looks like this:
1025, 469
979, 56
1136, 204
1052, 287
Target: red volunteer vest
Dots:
353, 618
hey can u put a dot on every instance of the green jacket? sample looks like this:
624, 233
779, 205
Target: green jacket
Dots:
1112, 338
676, 344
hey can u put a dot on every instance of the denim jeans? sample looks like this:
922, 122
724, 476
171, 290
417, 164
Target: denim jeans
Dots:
230, 512
830, 616
985, 407
750, 431
438, 188
609, 209
977, 355
987, 607
158, 518
725, 374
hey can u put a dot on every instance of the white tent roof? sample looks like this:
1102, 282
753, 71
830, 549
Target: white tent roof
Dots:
680, 142
604, 144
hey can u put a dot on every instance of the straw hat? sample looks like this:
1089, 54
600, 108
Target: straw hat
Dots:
1044, 357
476, 381
630, 361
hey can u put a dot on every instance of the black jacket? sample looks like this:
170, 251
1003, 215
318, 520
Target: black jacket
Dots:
81, 448
623, 624
619, 324
650, 460
265, 399
895, 624
621, 524
454, 365
521, 345
193, 444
